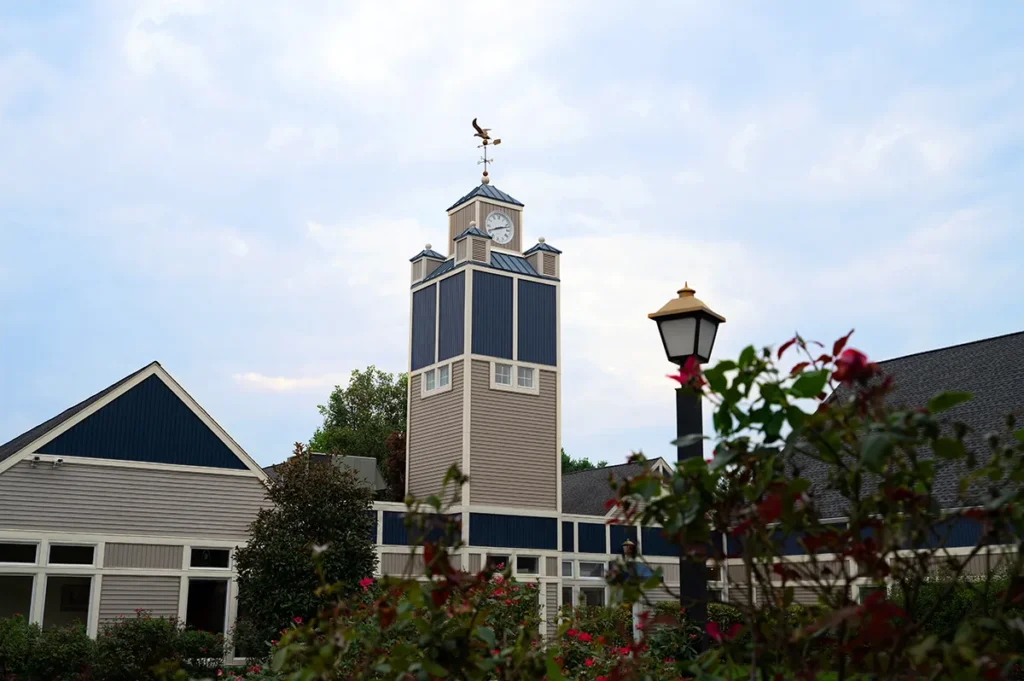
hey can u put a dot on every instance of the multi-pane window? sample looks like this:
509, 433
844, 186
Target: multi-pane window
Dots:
567, 568
525, 377
527, 565
443, 376
503, 374
594, 570
497, 562
429, 380
591, 596
66, 554
210, 558
17, 553
566, 595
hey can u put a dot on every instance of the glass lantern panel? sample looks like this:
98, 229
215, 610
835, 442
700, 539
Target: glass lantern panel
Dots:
678, 335
706, 341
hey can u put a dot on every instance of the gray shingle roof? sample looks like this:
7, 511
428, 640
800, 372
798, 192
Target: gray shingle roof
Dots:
992, 370
543, 246
473, 231
512, 263
586, 492
426, 253
488, 192
8, 449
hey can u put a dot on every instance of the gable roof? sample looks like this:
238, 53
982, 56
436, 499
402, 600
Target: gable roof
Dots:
587, 492
11, 447
473, 231
486, 191
427, 253
542, 246
115, 413
992, 370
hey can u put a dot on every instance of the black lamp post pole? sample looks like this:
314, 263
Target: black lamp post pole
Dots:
693, 586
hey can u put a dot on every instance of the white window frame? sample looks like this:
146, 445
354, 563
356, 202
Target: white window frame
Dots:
509, 560
34, 563
604, 569
539, 560
532, 373
572, 596
49, 549
92, 576
231, 558
435, 371
572, 569
447, 369
578, 592
513, 385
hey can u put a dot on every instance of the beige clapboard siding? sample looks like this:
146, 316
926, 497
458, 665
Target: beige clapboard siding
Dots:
435, 435
552, 566
122, 595
401, 564
458, 222
150, 556
474, 562
487, 208
460, 250
514, 448
79, 497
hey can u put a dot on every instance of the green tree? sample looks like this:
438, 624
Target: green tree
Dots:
571, 465
359, 417
320, 509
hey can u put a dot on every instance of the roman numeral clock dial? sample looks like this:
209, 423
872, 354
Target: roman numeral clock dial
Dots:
500, 227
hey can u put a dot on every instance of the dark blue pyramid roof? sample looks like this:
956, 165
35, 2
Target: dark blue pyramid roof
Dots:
488, 192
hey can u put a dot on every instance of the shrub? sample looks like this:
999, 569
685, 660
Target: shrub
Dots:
143, 647
62, 654
17, 641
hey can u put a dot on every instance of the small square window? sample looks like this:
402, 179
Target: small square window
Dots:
567, 595
503, 374
210, 558
63, 554
567, 568
497, 562
527, 565
428, 379
594, 570
525, 376
592, 597
17, 553
442, 376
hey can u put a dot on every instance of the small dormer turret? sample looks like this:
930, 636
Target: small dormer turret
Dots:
544, 258
473, 245
424, 263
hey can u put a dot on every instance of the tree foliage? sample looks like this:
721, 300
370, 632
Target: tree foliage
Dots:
571, 465
359, 417
311, 509
394, 466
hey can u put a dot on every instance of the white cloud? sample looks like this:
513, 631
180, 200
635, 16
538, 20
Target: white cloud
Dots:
256, 381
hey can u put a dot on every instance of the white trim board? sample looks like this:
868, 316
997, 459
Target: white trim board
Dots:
153, 369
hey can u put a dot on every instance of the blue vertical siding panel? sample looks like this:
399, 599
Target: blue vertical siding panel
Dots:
452, 318
395, 533
424, 318
655, 543
592, 538
619, 534
513, 532
568, 537
148, 423
492, 315
537, 323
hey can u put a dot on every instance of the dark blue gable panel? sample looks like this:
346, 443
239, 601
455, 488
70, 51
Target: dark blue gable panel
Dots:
452, 318
537, 322
424, 317
592, 538
148, 423
513, 532
619, 535
655, 543
568, 537
492, 315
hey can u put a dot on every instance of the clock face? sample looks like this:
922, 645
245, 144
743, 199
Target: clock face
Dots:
500, 227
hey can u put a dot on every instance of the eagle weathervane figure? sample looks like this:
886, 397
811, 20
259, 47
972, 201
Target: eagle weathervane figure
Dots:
485, 141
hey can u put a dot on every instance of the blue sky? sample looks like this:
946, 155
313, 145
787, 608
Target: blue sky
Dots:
235, 188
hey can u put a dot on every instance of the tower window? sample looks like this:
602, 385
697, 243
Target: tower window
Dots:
503, 374
429, 379
443, 376
525, 377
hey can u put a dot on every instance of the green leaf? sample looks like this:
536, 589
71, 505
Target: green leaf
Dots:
947, 400
774, 427
279, 657
434, 669
875, 448
1019, 435
486, 634
554, 673
747, 356
948, 448
809, 384
688, 440
715, 377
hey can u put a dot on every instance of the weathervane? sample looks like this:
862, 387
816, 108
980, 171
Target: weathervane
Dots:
486, 141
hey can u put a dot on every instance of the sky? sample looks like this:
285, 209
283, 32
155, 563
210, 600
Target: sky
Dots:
235, 188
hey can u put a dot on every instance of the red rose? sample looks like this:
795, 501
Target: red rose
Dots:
589, 662
585, 638
853, 365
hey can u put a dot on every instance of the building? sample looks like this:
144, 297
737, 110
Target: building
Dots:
132, 498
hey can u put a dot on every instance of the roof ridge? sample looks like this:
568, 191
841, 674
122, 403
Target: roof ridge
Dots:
950, 347
604, 468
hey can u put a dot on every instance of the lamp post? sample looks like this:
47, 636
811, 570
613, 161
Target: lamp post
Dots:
688, 329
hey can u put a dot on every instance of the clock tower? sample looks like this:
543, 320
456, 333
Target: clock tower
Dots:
485, 373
